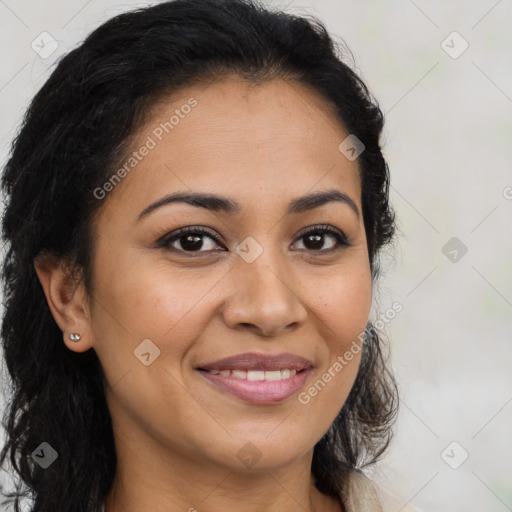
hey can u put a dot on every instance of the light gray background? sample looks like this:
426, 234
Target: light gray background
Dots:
448, 143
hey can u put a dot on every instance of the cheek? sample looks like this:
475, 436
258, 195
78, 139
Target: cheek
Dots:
344, 304
341, 313
137, 300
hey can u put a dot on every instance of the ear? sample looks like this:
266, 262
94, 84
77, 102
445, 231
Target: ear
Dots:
67, 301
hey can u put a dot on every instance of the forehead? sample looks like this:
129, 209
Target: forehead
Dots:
254, 142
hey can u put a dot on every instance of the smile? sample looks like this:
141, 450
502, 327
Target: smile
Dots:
256, 386
254, 375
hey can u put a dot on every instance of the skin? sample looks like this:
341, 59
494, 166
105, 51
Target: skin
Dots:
177, 436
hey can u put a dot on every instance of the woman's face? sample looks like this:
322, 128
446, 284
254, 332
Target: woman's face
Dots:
165, 304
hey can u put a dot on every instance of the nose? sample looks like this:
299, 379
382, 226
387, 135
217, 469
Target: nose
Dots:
265, 298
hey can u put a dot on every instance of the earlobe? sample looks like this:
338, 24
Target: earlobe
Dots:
66, 299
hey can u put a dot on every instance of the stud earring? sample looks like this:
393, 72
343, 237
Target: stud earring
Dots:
74, 336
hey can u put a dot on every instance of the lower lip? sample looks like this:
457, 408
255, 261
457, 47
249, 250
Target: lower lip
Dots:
259, 391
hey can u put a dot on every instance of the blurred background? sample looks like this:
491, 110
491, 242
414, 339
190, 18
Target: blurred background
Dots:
442, 73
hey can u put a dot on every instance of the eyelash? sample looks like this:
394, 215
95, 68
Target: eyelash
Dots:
322, 229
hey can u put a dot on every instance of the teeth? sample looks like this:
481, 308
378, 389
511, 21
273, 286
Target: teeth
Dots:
254, 375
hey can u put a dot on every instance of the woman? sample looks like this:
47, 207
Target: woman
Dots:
196, 202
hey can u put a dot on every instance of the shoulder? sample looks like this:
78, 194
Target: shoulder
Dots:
364, 495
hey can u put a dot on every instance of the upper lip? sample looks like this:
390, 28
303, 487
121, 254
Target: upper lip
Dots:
254, 361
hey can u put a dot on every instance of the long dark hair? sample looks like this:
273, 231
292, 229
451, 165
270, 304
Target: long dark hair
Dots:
72, 138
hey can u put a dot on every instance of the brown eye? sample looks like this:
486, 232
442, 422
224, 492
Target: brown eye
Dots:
315, 238
191, 239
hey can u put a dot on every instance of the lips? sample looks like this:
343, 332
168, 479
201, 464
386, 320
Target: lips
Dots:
251, 361
258, 378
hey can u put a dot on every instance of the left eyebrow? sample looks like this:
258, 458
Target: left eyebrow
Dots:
223, 204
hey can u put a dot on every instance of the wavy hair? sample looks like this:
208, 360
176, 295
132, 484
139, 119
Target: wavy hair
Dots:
74, 134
